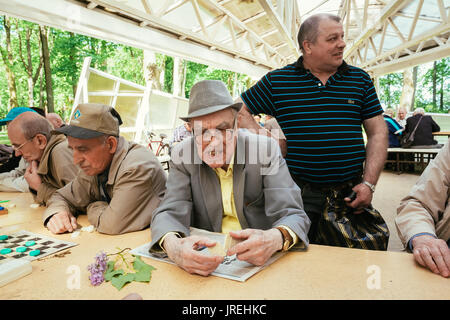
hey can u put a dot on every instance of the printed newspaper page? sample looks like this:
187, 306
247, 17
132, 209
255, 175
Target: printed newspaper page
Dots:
230, 268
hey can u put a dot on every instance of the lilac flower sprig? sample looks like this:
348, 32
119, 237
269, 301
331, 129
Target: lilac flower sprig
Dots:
98, 268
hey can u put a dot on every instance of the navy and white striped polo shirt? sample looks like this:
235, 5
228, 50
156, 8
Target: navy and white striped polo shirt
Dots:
322, 123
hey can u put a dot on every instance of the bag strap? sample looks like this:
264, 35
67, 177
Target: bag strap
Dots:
413, 133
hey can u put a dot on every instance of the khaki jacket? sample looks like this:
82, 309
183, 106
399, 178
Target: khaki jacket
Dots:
136, 185
426, 208
56, 168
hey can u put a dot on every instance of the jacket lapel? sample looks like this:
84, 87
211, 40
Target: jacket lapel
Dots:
212, 195
209, 186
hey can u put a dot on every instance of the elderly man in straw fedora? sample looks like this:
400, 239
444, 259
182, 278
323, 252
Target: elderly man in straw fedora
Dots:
216, 183
120, 183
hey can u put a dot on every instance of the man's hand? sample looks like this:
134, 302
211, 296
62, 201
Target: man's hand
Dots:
258, 245
362, 200
184, 252
61, 222
32, 177
432, 253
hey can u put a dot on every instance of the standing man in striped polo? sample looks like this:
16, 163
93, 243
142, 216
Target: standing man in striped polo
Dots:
320, 103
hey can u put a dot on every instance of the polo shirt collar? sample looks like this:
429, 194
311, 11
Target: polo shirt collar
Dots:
299, 65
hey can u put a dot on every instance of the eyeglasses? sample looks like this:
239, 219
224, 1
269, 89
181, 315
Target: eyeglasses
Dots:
28, 140
206, 136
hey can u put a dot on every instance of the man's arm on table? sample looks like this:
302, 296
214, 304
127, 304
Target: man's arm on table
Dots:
283, 203
419, 211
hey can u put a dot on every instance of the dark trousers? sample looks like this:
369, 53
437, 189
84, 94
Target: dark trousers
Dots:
333, 223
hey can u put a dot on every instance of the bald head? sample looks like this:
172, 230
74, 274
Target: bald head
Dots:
29, 134
55, 120
31, 123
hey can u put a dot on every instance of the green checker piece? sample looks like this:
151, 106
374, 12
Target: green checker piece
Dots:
21, 249
5, 251
30, 243
35, 253
4, 237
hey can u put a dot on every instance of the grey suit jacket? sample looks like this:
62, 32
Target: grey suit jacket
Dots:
265, 194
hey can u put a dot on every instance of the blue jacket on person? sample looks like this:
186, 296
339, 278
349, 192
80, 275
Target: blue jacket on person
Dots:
395, 131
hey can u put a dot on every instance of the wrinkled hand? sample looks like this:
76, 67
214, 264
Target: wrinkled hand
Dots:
433, 254
61, 222
32, 177
258, 245
363, 198
184, 252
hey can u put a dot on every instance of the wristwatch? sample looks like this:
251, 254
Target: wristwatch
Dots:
287, 238
371, 186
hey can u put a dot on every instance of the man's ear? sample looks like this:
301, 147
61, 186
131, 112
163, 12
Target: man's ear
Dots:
112, 142
42, 141
307, 46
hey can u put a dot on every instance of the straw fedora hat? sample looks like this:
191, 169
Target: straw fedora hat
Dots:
209, 96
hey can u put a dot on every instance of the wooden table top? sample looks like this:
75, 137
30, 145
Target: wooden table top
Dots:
321, 272
442, 133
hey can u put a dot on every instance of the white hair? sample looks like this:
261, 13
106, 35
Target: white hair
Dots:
419, 111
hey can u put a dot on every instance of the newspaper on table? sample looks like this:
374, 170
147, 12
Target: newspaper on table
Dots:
231, 268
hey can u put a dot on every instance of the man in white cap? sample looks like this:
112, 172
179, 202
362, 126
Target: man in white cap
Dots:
121, 182
229, 181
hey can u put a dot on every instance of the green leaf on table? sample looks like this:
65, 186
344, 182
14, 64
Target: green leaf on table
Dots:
143, 270
122, 280
110, 272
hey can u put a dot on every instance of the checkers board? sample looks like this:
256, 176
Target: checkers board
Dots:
30, 246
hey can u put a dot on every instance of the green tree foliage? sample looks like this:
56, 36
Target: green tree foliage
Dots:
391, 89
432, 89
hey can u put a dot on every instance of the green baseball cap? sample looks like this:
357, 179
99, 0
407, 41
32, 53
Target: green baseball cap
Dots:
13, 113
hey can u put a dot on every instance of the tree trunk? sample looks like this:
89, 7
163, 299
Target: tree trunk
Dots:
8, 60
408, 89
434, 84
47, 69
28, 64
413, 98
183, 82
152, 72
41, 91
73, 53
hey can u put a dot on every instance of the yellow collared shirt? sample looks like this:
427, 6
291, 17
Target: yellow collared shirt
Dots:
230, 220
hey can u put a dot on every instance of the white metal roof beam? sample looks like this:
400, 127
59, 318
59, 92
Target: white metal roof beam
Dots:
183, 34
410, 61
388, 11
278, 21
440, 30
239, 23
97, 24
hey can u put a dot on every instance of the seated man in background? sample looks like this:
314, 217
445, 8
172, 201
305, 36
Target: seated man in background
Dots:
423, 137
12, 177
401, 116
180, 133
55, 120
395, 129
217, 183
121, 182
49, 160
423, 217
